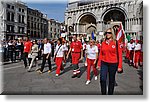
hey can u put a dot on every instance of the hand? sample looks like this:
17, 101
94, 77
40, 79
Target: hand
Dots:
98, 67
67, 56
119, 69
94, 62
47, 57
81, 59
85, 63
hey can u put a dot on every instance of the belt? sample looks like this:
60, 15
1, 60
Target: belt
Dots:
75, 52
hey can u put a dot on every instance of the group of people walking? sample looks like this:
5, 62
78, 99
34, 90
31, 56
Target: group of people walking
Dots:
134, 53
105, 56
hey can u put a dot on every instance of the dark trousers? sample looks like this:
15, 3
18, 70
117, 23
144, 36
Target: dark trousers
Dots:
25, 57
44, 61
39, 55
108, 69
11, 55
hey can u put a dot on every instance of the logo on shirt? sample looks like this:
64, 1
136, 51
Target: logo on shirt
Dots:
113, 46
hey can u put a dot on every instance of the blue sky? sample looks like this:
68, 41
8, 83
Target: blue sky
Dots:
54, 10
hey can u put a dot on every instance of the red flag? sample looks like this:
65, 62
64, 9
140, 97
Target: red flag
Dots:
120, 35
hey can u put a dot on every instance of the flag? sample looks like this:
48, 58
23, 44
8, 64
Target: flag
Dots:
92, 36
128, 37
120, 35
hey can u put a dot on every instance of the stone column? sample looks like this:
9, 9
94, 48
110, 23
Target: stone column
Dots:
99, 26
129, 23
77, 28
125, 25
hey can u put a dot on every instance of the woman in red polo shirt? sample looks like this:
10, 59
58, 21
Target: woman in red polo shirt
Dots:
110, 60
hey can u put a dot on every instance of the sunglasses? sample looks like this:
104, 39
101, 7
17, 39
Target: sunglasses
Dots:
108, 32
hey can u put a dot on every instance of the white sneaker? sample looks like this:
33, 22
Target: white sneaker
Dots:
57, 75
88, 82
96, 77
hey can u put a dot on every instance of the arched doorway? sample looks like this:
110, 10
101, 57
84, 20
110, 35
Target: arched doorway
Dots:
87, 25
114, 15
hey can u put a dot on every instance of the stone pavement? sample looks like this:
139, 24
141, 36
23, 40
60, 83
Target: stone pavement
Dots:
18, 81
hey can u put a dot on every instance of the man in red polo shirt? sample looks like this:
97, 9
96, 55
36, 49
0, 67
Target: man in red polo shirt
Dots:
77, 55
27, 49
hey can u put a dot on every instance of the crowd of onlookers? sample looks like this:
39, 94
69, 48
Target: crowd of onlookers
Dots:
12, 50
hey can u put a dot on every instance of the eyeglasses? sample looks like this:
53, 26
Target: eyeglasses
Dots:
108, 32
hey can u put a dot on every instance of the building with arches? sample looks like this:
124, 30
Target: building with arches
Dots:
87, 16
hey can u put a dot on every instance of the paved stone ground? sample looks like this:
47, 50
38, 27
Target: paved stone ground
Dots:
18, 81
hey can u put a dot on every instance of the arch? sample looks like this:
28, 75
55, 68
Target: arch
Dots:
114, 8
91, 29
91, 26
85, 14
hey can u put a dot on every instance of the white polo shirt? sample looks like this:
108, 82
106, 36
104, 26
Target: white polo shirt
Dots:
130, 46
47, 48
91, 52
137, 47
61, 50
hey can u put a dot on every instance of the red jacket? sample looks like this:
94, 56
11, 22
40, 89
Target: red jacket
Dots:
108, 53
76, 46
27, 46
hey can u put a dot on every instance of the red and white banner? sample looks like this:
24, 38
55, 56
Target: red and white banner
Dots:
121, 34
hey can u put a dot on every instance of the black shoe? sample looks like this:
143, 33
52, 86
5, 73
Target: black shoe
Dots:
29, 70
78, 75
75, 75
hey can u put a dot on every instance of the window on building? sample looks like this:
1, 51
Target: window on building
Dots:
7, 28
28, 32
8, 16
35, 25
35, 34
12, 17
23, 10
12, 29
13, 7
22, 18
31, 34
19, 18
28, 24
8, 6
19, 9
51, 28
54, 29
28, 18
31, 25
22, 30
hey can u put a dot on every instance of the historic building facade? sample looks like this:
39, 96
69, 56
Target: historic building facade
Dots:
13, 18
37, 24
87, 16
54, 29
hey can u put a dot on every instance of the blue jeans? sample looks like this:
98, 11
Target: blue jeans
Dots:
108, 69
